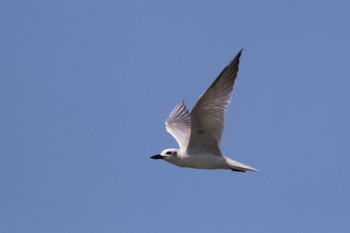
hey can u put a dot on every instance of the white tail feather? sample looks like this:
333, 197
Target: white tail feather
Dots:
239, 166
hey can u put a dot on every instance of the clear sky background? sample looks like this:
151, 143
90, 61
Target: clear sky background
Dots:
85, 88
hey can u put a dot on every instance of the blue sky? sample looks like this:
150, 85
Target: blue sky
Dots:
85, 87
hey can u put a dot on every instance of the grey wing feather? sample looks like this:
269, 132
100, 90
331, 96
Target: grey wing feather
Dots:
178, 124
208, 115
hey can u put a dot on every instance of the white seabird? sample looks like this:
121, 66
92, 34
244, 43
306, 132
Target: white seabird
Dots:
199, 133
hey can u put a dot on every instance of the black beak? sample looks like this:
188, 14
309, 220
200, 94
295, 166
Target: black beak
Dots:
157, 157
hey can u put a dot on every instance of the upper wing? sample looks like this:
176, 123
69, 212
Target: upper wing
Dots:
208, 115
178, 124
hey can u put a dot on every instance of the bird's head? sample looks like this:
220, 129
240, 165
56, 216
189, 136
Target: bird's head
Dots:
169, 155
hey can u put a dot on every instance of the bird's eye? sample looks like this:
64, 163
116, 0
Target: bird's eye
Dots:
168, 153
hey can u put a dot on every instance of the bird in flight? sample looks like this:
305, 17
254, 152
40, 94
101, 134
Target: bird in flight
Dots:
199, 133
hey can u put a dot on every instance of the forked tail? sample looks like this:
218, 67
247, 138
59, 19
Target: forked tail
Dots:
239, 167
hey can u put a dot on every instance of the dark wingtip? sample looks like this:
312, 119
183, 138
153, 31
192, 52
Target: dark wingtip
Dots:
239, 53
236, 170
235, 60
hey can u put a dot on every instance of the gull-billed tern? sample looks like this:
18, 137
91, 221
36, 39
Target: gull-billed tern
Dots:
199, 133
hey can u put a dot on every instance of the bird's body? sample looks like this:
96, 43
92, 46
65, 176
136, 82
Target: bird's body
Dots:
202, 161
199, 133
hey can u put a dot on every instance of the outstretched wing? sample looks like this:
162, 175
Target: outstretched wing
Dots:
178, 124
208, 115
